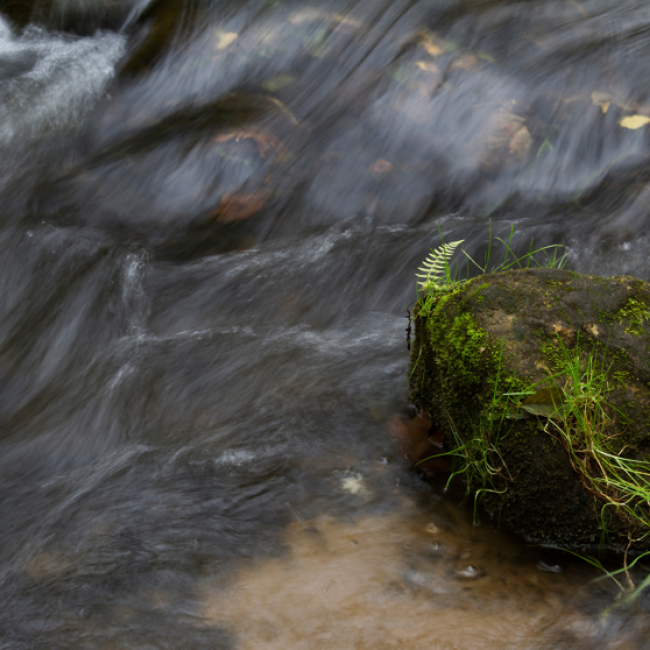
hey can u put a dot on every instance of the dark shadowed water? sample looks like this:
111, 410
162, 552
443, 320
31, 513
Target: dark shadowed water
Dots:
211, 214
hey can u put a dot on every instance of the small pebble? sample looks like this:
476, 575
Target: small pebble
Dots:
432, 528
469, 573
353, 485
549, 568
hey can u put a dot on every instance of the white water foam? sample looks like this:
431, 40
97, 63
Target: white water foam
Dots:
48, 81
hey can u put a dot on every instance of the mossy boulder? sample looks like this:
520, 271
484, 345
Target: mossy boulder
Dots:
482, 346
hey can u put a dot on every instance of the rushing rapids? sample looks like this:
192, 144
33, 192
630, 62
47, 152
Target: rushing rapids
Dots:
212, 213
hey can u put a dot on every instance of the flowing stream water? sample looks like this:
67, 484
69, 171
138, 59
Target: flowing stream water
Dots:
212, 212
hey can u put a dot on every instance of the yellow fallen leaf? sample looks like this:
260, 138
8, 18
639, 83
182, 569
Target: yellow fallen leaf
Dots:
431, 48
308, 15
225, 39
604, 100
463, 62
428, 66
350, 22
634, 121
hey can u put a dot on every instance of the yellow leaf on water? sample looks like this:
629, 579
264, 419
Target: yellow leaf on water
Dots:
604, 100
431, 48
305, 16
224, 39
634, 121
345, 20
463, 62
428, 66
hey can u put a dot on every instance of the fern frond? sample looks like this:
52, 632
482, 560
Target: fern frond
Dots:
434, 269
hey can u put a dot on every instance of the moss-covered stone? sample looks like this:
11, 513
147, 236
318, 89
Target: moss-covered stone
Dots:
506, 332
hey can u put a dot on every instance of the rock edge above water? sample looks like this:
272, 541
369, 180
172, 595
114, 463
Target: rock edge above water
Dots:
509, 329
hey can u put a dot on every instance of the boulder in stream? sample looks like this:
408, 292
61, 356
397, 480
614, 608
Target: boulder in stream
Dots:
541, 381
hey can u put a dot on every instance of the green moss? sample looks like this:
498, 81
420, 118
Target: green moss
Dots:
463, 351
620, 378
635, 312
560, 285
553, 354
477, 353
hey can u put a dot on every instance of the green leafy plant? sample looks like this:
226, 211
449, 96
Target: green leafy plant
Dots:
437, 273
629, 589
584, 422
477, 457
571, 405
478, 461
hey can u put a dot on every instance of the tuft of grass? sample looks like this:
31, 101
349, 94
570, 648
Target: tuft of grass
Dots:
440, 275
580, 417
629, 589
584, 423
477, 458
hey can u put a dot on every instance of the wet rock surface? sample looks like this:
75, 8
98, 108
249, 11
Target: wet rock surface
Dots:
513, 333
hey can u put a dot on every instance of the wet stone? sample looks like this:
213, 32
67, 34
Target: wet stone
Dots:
470, 572
522, 330
549, 568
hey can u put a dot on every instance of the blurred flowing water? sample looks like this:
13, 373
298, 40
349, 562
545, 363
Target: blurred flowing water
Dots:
211, 216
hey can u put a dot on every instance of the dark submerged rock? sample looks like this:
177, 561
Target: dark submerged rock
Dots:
18, 11
508, 330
